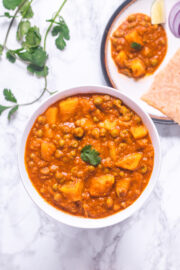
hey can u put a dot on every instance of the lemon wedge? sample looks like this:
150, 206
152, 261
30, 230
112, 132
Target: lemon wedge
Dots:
158, 12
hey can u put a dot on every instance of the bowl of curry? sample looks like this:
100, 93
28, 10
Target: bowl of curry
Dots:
89, 156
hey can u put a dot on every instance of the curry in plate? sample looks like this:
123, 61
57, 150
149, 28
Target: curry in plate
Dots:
89, 155
138, 47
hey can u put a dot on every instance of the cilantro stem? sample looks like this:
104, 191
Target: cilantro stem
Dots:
28, 103
11, 22
4, 16
35, 100
51, 24
31, 102
46, 35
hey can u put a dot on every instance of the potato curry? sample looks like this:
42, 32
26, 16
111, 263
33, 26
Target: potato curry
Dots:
138, 47
89, 155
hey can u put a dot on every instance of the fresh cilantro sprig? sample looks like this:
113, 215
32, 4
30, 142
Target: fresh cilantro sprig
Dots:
12, 4
30, 52
48, 31
9, 96
62, 31
90, 155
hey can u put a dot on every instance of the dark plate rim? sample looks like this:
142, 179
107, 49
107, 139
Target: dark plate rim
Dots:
102, 56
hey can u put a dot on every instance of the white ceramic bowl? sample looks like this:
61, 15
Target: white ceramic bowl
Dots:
81, 222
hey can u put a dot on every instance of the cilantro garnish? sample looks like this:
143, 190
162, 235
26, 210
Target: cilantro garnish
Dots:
136, 46
90, 155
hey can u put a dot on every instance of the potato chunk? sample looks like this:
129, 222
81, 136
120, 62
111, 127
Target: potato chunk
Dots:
47, 150
108, 124
147, 52
130, 162
112, 151
138, 67
121, 58
139, 132
68, 108
85, 123
101, 185
49, 133
51, 115
72, 190
122, 186
133, 36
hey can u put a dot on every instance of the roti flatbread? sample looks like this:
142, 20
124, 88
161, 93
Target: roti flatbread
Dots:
164, 93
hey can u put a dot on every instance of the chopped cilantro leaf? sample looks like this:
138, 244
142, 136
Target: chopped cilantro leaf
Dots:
90, 155
136, 46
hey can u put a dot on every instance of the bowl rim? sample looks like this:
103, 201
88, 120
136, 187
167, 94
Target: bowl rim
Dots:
64, 217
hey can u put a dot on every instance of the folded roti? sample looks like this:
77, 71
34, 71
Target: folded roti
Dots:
164, 93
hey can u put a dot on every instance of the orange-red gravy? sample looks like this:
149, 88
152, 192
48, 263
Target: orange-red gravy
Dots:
53, 155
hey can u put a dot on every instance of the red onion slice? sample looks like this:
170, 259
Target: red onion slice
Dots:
176, 25
174, 19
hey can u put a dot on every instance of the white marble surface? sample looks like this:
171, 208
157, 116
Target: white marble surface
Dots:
150, 240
